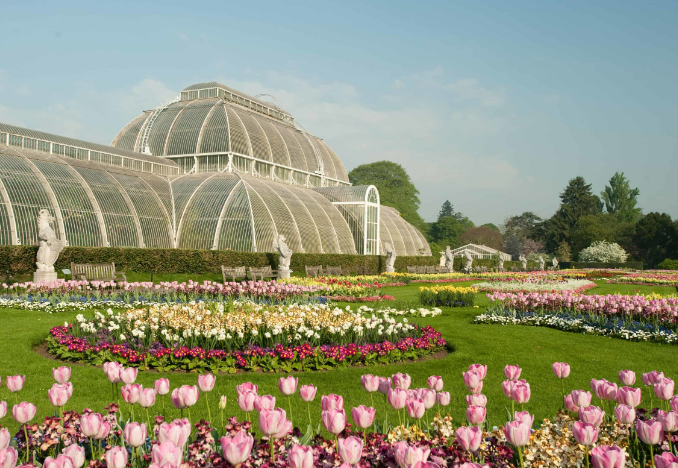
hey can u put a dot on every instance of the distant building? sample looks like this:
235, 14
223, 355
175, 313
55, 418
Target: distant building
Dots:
481, 251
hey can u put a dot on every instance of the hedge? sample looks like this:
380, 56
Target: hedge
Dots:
668, 264
19, 259
610, 265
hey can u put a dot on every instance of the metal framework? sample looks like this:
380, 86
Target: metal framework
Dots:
480, 251
227, 171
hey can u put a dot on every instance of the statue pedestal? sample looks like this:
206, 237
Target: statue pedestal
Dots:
284, 274
44, 276
390, 269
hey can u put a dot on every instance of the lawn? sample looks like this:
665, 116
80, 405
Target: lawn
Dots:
534, 349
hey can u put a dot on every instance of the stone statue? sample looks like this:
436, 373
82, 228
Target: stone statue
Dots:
442, 258
554, 262
501, 263
523, 262
449, 259
49, 250
390, 258
469, 261
541, 263
285, 255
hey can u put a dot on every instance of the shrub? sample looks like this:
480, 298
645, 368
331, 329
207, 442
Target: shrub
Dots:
668, 264
601, 251
447, 296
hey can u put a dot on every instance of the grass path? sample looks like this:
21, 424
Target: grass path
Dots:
534, 349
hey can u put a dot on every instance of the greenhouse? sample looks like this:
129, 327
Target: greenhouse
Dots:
216, 169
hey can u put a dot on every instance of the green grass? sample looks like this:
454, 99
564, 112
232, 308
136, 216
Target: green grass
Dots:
534, 349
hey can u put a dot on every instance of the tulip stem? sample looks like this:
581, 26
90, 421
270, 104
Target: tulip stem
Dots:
27, 444
586, 455
289, 401
207, 402
163, 406
562, 392
270, 441
189, 415
91, 447
652, 455
222, 419
372, 397
308, 406
520, 457
148, 421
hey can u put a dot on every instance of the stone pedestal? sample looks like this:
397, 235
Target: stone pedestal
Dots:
284, 274
390, 269
44, 276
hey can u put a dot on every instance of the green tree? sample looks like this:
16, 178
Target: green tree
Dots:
446, 231
491, 226
656, 238
521, 226
563, 252
513, 246
576, 201
620, 199
483, 235
446, 210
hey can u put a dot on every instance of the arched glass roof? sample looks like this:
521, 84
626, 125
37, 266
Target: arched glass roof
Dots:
405, 238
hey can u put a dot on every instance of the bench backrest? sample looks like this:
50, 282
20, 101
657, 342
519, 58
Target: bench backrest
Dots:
233, 272
333, 270
411, 269
93, 271
311, 270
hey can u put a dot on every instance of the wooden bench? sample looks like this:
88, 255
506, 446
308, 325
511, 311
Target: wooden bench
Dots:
364, 271
231, 273
261, 273
314, 271
333, 270
96, 272
411, 269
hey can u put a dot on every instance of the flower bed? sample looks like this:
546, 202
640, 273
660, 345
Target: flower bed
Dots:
447, 296
536, 284
357, 287
645, 278
245, 336
385, 297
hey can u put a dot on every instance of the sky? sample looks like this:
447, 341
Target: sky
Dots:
493, 105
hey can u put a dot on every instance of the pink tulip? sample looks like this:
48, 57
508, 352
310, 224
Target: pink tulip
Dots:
507, 387
625, 414
666, 460
428, 397
397, 398
652, 378
288, 385
435, 382
629, 396
585, 433
332, 401
131, 393
62, 374
569, 404
237, 449
246, 401
561, 369
178, 432
370, 382
300, 456
15, 382
284, 430
627, 377
650, 432
5, 438
166, 453
116, 457
605, 456
664, 389
247, 387
147, 397
3, 409
307, 392
264, 402
469, 437
61, 461
363, 416
525, 417
350, 449
185, 396
384, 385
68, 386
443, 398
415, 408
472, 380
592, 415
24, 412
135, 434
668, 420
90, 423
8, 457
58, 395
674, 403
517, 433
334, 420
595, 387
401, 381
128, 375
512, 372
476, 400
162, 386
272, 421
476, 415
206, 382
581, 398
104, 431
521, 393
480, 369
408, 456
75, 453
607, 390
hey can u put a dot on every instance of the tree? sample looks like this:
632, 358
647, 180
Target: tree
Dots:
601, 251
656, 238
512, 246
576, 201
491, 226
521, 225
446, 231
620, 199
482, 235
395, 188
563, 252
446, 210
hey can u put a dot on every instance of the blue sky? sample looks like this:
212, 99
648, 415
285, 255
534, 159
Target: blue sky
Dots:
493, 105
